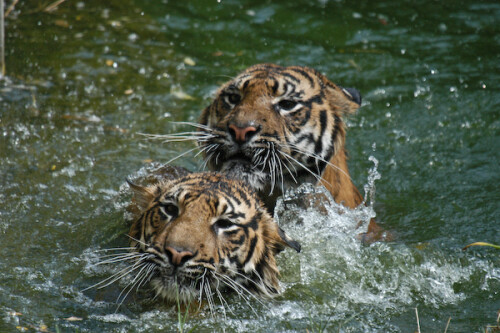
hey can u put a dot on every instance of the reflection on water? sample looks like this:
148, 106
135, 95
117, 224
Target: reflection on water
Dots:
84, 79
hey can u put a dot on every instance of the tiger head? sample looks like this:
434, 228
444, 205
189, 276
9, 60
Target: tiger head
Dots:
204, 232
276, 127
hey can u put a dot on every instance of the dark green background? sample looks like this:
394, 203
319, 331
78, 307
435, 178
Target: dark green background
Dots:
83, 80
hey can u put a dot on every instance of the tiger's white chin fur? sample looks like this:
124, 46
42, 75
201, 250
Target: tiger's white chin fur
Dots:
173, 290
261, 180
244, 170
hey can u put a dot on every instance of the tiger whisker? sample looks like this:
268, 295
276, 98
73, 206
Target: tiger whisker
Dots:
318, 178
115, 255
292, 166
180, 137
147, 276
206, 160
203, 150
120, 274
131, 285
137, 240
221, 299
272, 168
128, 248
201, 287
280, 165
197, 125
117, 259
317, 157
236, 287
210, 300
247, 278
240, 290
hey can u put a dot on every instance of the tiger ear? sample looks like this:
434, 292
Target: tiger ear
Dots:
353, 94
346, 100
143, 196
287, 240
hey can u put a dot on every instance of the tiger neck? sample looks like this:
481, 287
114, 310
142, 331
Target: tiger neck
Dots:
338, 181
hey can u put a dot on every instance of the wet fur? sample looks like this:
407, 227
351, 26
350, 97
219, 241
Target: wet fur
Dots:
231, 240
304, 144
312, 136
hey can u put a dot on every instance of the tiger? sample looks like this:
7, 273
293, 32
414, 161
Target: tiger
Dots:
277, 127
201, 233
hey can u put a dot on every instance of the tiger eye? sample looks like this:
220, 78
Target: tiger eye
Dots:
223, 224
171, 209
233, 98
287, 104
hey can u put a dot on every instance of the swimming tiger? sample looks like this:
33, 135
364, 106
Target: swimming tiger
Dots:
277, 127
204, 232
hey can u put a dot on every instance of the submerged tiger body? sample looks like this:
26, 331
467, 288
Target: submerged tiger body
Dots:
277, 127
203, 232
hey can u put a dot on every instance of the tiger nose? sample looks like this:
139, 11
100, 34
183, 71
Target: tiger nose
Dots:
178, 258
242, 134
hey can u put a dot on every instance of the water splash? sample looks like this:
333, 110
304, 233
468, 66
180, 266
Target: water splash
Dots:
339, 278
335, 282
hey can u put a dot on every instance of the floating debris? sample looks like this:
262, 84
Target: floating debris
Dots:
189, 61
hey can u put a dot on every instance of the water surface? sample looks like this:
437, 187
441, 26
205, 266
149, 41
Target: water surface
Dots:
84, 79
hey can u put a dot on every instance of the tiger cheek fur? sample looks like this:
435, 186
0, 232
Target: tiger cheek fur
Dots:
276, 127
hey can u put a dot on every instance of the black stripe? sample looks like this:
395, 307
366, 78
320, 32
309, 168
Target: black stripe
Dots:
306, 75
234, 215
336, 129
323, 118
318, 147
232, 232
291, 77
291, 90
245, 85
317, 99
254, 222
306, 118
238, 241
321, 165
274, 87
302, 137
253, 243
264, 67
244, 197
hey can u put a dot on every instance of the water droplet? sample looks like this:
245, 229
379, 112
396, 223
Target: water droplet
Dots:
133, 37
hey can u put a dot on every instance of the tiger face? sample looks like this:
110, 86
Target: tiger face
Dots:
204, 232
276, 127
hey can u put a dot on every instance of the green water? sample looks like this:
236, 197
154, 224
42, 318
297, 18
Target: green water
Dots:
83, 80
